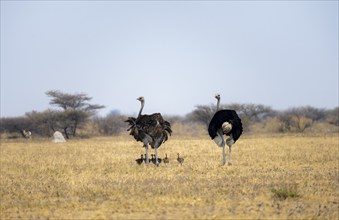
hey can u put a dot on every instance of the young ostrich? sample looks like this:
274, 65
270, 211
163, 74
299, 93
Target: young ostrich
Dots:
150, 129
225, 122
180, 159
166, 160
140, 160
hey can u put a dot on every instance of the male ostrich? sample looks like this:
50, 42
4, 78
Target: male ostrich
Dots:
27, 134
150, 129
225, 122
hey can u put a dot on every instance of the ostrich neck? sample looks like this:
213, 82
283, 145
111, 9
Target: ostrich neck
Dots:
218, 104
141, 108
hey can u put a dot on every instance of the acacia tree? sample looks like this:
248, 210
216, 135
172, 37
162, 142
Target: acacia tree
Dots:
76, 109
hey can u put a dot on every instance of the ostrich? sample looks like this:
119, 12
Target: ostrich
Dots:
180, 159
150, 129
27, 134
166, 160
140, 160
154, 161
225, 122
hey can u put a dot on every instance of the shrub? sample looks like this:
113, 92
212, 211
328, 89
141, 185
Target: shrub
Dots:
285, 191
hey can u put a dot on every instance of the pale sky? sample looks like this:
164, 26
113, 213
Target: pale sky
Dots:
177, 54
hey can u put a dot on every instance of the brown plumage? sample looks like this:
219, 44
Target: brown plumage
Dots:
166, 160
180, 159
150, 129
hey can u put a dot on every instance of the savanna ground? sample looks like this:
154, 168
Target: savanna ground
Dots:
272, 177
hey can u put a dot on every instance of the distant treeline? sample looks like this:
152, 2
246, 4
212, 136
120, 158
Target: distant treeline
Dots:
255, 118
77, 118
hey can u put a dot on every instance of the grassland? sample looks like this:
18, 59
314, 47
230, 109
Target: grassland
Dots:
276, 177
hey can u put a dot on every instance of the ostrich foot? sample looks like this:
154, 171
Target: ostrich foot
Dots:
229, 163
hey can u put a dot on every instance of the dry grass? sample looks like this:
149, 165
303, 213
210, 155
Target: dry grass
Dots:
281, 177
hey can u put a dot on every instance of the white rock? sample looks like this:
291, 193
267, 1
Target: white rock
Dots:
58, 137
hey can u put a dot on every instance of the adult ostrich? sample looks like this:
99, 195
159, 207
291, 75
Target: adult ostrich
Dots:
150, 129
225, 122
27, 134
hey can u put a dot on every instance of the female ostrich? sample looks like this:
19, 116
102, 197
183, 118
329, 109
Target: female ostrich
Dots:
150, 129
225, 122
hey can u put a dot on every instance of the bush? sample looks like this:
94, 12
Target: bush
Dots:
285, 191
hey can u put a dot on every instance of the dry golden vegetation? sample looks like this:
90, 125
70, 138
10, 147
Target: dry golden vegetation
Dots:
276, 177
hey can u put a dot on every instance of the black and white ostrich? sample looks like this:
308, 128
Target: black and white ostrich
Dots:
27, 134
225, 122
150, 129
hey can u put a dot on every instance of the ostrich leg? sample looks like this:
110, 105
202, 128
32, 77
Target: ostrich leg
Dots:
147, 158
220, 133
223, 154
230, 150
156, 155
230, 142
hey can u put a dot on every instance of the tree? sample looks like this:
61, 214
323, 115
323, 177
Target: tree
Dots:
332, 116
76, 109
15, 124
202, 114
249, 113
110, 125
300, 118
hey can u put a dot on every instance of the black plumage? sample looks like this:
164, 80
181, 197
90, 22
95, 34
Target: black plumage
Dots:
221, 117
140, 160
225, 122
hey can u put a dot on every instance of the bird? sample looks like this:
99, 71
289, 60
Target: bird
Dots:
152, 158
225, 122
180, 159
151, 129
166, 160
140, 160
27, 134
154, 161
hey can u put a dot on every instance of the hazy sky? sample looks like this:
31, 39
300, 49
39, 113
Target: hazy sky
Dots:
177, 54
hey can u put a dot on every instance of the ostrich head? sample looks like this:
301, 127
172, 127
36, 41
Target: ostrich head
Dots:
217, 96
141, 99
